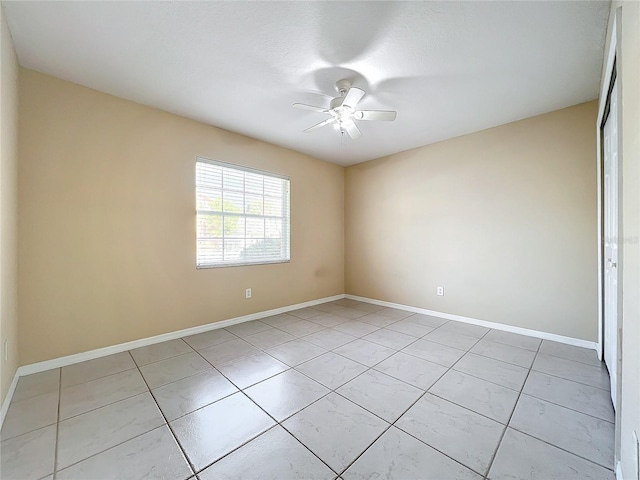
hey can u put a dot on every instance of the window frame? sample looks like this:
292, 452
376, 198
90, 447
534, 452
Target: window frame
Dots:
286, 205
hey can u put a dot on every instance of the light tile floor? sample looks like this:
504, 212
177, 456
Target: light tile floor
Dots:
343, 390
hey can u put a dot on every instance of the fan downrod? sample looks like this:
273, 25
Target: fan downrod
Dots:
343, 86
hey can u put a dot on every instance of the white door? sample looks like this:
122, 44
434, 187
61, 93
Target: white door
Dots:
610, 210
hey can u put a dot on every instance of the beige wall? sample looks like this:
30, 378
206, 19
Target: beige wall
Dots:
504, 219
628, 62
8, 208
107, 223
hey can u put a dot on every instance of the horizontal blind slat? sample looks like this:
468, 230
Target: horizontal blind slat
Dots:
242, 215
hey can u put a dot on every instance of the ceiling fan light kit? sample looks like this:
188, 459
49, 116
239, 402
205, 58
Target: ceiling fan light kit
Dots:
342, 110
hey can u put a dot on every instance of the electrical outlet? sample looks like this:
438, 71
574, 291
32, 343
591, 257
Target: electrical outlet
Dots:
247, 293
440, 291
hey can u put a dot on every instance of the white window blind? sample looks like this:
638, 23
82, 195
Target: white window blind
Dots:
242, 215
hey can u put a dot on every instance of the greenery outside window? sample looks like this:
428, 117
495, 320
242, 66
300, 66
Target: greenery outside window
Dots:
242, 215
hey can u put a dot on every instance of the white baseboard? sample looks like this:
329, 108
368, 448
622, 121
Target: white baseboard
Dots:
483, 323
619, 471
143, 342
7, 399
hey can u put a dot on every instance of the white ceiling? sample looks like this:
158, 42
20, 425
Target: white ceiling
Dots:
448, 68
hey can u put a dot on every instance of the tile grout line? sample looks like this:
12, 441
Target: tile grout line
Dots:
331, 390
107, 449
166, 421
373, 368
317, 400
504, 431
568, 408
124, 441
55, 453
569, 380
393, 424
267, 413
611, 469
542, 440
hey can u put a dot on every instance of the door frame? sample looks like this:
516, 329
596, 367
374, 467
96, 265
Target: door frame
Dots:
609, 74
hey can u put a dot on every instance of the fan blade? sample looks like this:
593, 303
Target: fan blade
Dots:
354, 95
310, 107
351, 129
384, 115
321, 124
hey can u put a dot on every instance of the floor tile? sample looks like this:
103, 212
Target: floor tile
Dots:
356, 328
505, 353
409, 327
513, 339
576, 396
217, 429
485, 398
87, 396
152, 455
331, 370
285, 394
462, 328
495, 371
413, 370
434, 352
394, 313
427, 320
184, 396
174, 368
28, 456
328, 320
279, 320
378, 320
521, 457
329, 338
96, 368
368, 307
302, 328
96, 431
296, 352
210, 338
328, 307
335, 429
274, 455
570, 352
465, 436
396, 455
30, 414
245, 329
305, 313
381, 394
367, 353
390, 339
228, 351
451, 338
347, 303
570, 370
251, 369
160, 351
350, 313
37, 384
581, 434
269, 338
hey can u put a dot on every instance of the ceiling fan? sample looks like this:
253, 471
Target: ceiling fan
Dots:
342, 110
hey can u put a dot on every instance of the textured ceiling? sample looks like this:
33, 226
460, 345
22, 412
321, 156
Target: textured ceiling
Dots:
448, 68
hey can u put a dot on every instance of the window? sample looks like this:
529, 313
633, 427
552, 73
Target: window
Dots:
242, 215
